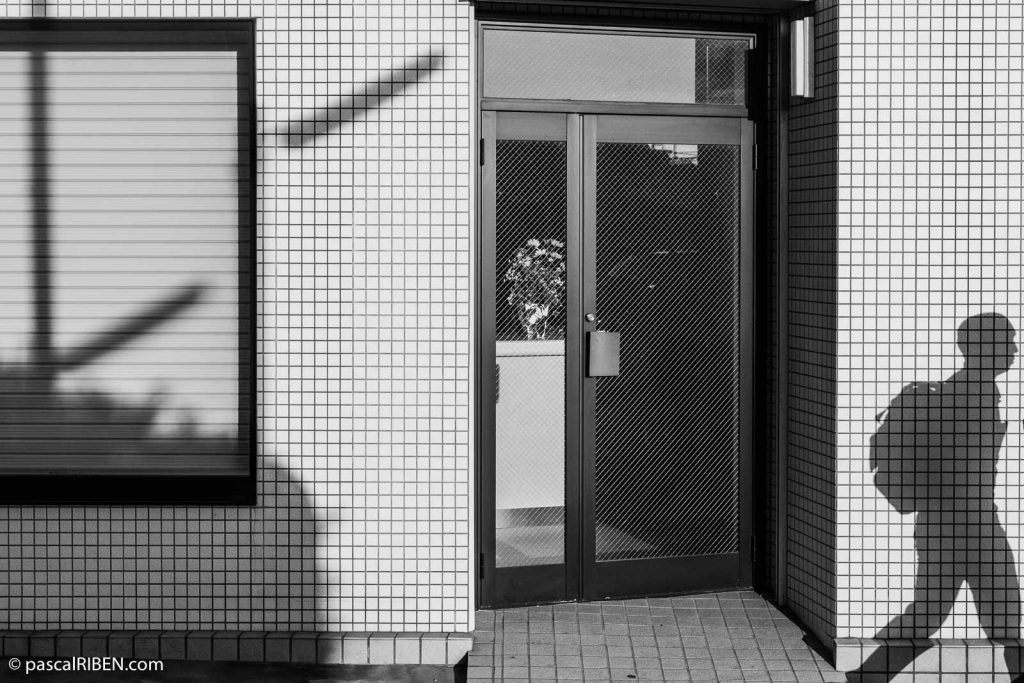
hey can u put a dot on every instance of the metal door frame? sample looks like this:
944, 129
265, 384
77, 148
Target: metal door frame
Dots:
539, 583
580, 577
484, 332
661, 576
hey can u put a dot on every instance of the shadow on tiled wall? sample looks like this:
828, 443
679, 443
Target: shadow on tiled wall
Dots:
935, 455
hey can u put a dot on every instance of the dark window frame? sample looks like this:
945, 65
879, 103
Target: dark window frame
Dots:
234, 35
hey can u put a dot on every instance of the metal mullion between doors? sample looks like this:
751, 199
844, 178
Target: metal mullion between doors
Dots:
574, 528
588, 386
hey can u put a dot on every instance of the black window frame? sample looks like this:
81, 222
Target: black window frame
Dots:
235, 35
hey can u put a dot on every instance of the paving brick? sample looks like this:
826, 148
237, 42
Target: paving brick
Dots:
250, 647
198, 646
356, 648
121, 644
147, 645
433, 648
407, 648
382, 648
172, 645
69, 643
278, 646
225, 646
94, 644
42, 644
304, 647
718, 644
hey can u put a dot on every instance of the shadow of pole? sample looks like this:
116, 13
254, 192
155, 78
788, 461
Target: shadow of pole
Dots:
341, 110
42, 368
129, 328
280, 557
286, 529
33, 385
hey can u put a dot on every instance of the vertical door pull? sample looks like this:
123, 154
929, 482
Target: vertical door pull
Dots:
602, 354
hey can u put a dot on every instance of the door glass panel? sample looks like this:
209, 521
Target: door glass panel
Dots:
530, 237
667, 427
630, 67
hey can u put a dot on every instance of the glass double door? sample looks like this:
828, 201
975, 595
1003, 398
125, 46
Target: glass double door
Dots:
616, 346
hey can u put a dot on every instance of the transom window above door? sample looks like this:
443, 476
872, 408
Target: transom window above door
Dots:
545, 63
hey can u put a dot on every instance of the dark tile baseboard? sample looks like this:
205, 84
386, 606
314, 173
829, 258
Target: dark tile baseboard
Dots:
979, 658
295, 647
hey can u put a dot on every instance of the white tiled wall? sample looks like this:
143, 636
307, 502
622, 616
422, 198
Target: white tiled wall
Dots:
930, 216
363, 520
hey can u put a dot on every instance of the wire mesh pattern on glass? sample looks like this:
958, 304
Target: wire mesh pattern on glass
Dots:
530, 235
666, 433
530, 206
721, 71
634, 67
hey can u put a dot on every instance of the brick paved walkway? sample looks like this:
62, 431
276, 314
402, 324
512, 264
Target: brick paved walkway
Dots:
735, 636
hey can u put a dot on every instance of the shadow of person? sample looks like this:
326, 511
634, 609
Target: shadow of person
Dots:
957, 532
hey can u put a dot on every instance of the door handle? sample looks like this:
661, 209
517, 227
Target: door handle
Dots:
602, 354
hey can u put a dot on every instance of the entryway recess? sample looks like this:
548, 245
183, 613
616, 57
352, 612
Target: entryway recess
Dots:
616, 340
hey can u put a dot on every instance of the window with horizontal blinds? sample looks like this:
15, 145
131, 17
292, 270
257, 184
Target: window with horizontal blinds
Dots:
126, 279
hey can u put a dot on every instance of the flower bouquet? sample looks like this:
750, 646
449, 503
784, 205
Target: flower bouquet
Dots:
536, 277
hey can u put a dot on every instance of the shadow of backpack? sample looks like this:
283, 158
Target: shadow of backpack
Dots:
906, 444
